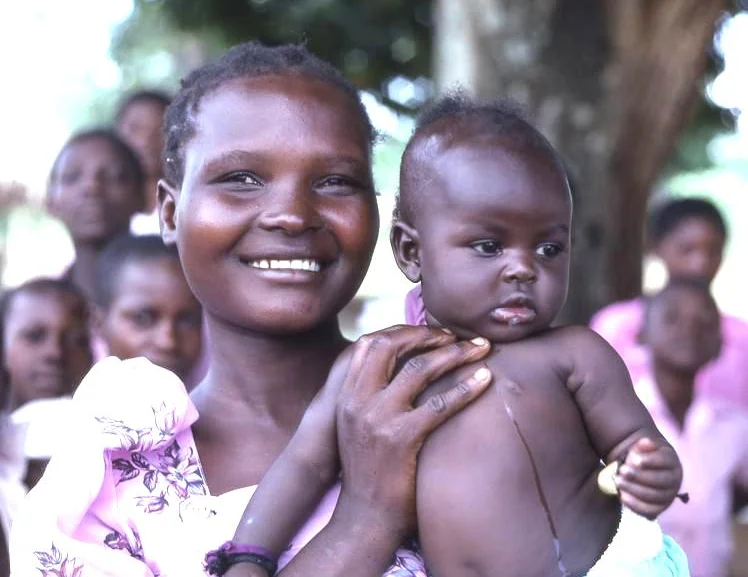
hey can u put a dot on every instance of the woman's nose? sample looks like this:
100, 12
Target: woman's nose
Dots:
291, 210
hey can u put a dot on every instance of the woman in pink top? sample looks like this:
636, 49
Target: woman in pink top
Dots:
682, 330
268, 197
689, 235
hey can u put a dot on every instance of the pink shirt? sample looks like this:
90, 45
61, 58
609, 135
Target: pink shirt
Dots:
726, 377
713, 449
128, 497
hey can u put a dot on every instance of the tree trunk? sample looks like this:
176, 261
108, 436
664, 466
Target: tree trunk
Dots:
611, 84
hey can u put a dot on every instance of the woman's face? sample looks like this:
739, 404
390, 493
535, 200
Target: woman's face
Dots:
93, 191
276, 218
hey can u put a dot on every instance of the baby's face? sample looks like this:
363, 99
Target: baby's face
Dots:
494, 229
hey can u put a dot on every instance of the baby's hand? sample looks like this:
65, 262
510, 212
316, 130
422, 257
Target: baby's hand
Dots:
649, 478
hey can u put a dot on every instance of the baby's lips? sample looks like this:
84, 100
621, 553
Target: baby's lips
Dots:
514, 315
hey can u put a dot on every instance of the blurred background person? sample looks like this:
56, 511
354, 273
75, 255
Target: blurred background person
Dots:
139, 121
95, 187
144, 307
689, 236
682, 333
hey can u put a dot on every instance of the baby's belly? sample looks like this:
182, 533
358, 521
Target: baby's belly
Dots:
515, 498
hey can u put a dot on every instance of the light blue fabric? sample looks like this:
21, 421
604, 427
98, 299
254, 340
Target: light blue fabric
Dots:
670, 562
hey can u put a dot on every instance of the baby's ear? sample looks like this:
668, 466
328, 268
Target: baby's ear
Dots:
406, 246
167, 209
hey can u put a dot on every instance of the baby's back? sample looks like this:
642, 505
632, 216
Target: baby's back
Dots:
508, 487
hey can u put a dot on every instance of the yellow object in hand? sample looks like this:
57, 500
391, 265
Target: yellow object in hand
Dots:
606, 479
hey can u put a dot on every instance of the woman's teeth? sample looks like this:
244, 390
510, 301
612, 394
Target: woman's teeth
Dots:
280, 264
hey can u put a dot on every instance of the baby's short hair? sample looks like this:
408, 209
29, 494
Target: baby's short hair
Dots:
121, 251
502, 119
666, 217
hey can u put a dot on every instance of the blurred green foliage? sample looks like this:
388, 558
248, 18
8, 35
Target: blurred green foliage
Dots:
371, 41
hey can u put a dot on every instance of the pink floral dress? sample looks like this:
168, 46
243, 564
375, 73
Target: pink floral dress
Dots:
127, 497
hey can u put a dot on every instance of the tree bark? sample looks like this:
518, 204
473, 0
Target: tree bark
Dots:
611, 84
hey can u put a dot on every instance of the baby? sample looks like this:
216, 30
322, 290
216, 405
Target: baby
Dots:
509, 487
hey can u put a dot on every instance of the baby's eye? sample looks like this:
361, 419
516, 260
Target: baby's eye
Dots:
487, 247
549, 250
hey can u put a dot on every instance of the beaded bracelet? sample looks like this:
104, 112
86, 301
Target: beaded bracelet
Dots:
219, 561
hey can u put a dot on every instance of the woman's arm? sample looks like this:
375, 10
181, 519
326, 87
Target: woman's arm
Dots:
298, 479
379, 434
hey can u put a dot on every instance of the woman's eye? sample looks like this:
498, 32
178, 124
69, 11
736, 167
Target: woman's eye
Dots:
549, 250
339, 184
487, 247
244, 178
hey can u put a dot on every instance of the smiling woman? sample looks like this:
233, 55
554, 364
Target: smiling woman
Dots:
268, 162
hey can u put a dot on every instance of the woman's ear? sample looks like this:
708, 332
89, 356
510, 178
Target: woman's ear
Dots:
167, 211
406, 246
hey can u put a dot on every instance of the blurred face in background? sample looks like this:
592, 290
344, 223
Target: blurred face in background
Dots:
153, 314
140, 125
46, 345
692, 249
94, 191
683, 329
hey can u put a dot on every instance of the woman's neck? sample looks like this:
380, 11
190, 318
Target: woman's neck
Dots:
83, 271
272, 377
676, 387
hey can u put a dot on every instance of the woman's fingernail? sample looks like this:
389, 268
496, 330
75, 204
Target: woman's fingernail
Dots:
482, 374
479, 341
447, 331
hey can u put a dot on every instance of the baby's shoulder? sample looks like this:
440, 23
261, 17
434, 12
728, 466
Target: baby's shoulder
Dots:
570, 348
573, 338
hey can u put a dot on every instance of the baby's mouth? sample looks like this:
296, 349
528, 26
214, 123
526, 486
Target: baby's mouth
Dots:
515, 311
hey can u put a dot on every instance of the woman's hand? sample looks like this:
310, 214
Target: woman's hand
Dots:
380, 432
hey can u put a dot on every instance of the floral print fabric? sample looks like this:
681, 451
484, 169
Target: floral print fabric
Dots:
127, 497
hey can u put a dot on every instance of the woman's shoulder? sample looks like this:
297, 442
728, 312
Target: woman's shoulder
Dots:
133, 404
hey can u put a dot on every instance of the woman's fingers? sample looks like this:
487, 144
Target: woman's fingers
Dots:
425, 368
441, 406
375, 356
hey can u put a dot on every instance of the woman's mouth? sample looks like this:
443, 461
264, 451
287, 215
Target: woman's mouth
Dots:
309, 265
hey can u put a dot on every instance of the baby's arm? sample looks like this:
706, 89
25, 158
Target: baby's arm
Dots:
619, 425
300, 476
